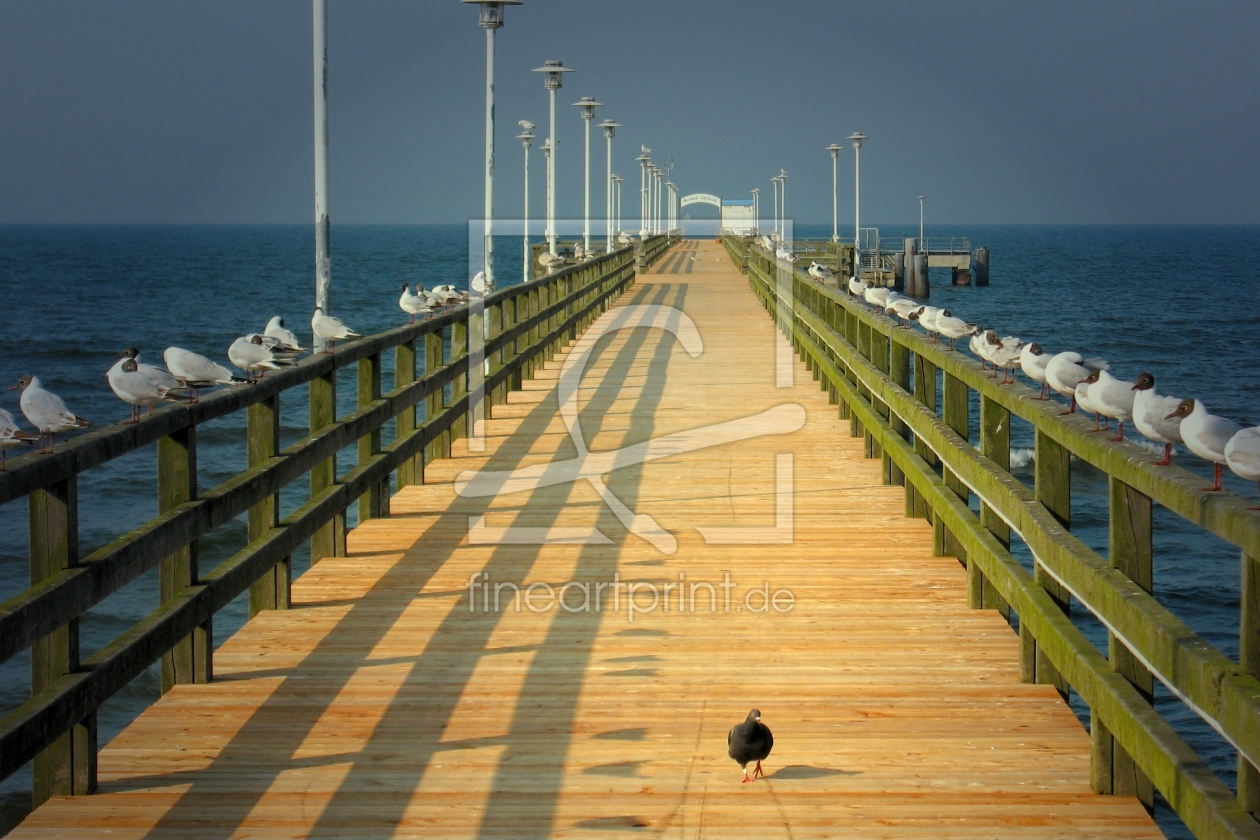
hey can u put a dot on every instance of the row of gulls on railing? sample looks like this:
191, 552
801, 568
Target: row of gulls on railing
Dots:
426, 303
1087, 383
142, 385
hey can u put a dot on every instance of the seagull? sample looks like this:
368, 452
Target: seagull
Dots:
1101, 423
820, 272
748, 742
1112, 397
765, 242
1033, 361
46, 412
11, 436
625, 238
162, 379
1004, 353
328, 329
479, 285
414, 304
285, 339
1153, 416
253, 356
549, 260
135, 386
877, 296
448, 294
926, 316
902, 308
953, 328
1242, 455
196, 372
857, 287
1065, 370
1206, 435
785, 253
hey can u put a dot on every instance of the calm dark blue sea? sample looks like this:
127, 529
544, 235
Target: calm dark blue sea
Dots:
1180, 302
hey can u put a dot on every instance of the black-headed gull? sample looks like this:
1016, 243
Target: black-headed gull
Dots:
926, 318
1003, 353
415, 303
1101, 423
820, 272
253, 356
1033, 361
328, 329
952, 327
285, 339
46, 412
1153, 416
11, 436
1112, 398
161, 378
448, 294
195, 372
1067, 369
1242, 456
858, 288
139, 388
1206, 435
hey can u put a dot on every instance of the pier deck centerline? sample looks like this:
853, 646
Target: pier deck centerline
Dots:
387, 704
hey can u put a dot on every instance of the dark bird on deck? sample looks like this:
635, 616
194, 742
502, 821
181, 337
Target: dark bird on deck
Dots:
748, 742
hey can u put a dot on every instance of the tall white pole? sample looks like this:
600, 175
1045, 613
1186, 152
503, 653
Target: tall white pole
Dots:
525, 273
857, 192
323, 225
608, 196
617, 184
783, 199
586, 185
488, 247
921, 223
642, 194
835, 207
551, 180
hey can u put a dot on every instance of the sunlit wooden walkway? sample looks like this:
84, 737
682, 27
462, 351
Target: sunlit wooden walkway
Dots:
383, 706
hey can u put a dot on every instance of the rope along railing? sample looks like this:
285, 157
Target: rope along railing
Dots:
56, 727
885, 381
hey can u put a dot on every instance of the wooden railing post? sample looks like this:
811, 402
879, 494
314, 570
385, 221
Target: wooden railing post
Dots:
1249, 660
956, 412
924, 392
459, 353
271, 591
330, 539
879, 358
1052, 471
374, 504
496, 316
190, 660
405, 423
433, 403
899, 371
67, 767
995, 444
1112, 769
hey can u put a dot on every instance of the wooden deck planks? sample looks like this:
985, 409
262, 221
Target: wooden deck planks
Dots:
381, 706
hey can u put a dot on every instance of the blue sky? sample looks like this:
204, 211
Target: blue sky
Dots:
999, 112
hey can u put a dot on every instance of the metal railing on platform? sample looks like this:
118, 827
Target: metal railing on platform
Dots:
885, 380
56, 728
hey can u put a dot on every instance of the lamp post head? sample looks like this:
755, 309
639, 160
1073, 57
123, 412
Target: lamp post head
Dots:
643, 160
553, 72
492, 11
782, 174
857, 137
588, 106
835, 150
527, 136
756, 191
921, 199
610, 128
546, 147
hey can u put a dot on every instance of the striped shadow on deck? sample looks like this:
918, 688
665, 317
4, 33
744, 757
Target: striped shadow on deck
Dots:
388, 703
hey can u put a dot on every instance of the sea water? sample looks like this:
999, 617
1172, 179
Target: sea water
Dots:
1180, 302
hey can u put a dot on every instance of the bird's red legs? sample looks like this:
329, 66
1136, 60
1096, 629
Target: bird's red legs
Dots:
1071, 410
1167, 459
1120, 433
757, 774
1098, 418
1217, 486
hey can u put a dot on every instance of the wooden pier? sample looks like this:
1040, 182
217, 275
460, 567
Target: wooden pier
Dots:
386, 703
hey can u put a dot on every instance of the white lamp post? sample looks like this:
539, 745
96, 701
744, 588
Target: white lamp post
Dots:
835, 218
783, 176
490, 19
775, 182
643, 160
756, 194
526, 137
656, 199
616, 180
553, 74
546, 150
857, 137
588, 106
323, 256
610, 129
921, 248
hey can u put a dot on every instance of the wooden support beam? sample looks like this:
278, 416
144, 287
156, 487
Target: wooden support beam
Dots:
1052, 482
189, 661
1249, 660
995, 444
271, 591
433, 352
330, 539
459, 388
374, 504
67, 767
405, 424
956, 412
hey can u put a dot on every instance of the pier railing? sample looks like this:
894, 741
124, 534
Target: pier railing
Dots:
429, 403
912, 403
